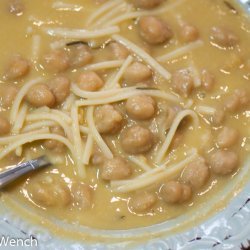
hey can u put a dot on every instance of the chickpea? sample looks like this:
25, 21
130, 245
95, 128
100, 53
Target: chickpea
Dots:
60, 88
147, 4
227, 137
8, 95
238, 100
80, 55
136, 140
108, 120
141, 107
218, 117
82, 195
16, 7
57, 61
207, 80
142, 202
195, 174
153, 30
174, 192
137, 72
55, 145
40, 95
189, 33
42, 195
51, 193
186, 193
97, 157
90, 81
243, 95
171, 192
223, 36
182, 82
118, 51
4, 126
115, 169
18, 67
224, 162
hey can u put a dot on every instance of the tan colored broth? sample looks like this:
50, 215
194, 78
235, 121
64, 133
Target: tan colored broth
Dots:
109, 209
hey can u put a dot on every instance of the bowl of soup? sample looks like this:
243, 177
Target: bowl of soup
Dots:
142, 107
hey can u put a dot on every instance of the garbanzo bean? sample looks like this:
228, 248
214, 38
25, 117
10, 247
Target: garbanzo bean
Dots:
147, 4
118, 51
60, 87
182, 82
171, 192
18, 67
196, 174
137, 72
8, 95
136, 140
207, 80
50, 192
79, 55
142, 202
174, 192
141, 107
57, 61
224, 162
115, 169
227, 137
189, 32
4, 126
223, 36
40, 95
108, 119
54, 145
82, 195
153, 30
90, 81
238, 100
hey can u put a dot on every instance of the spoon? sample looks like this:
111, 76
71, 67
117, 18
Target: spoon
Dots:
19, 170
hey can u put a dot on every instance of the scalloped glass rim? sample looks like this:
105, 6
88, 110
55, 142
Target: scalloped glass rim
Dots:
228, 229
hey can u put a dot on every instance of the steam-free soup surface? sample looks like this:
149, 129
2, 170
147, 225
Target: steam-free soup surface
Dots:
154, 131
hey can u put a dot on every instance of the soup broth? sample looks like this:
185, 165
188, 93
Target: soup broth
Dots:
143, 109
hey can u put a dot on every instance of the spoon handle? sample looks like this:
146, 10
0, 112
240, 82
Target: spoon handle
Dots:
19, 170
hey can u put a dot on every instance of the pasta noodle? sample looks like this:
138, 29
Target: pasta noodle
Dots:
139, 183
123, 7
144, 56
81, 33
180, 116
206, 110
58, 5
103, 9
47, 116
37, 125
35, 137
139, 161
100, 94
10, 139
22, 92
120, 73
104, 65
136, 14
126, 95
180, 51
88, 149
97, 137
77, 141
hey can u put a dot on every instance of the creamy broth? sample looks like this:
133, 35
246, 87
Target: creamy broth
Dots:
50, 192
